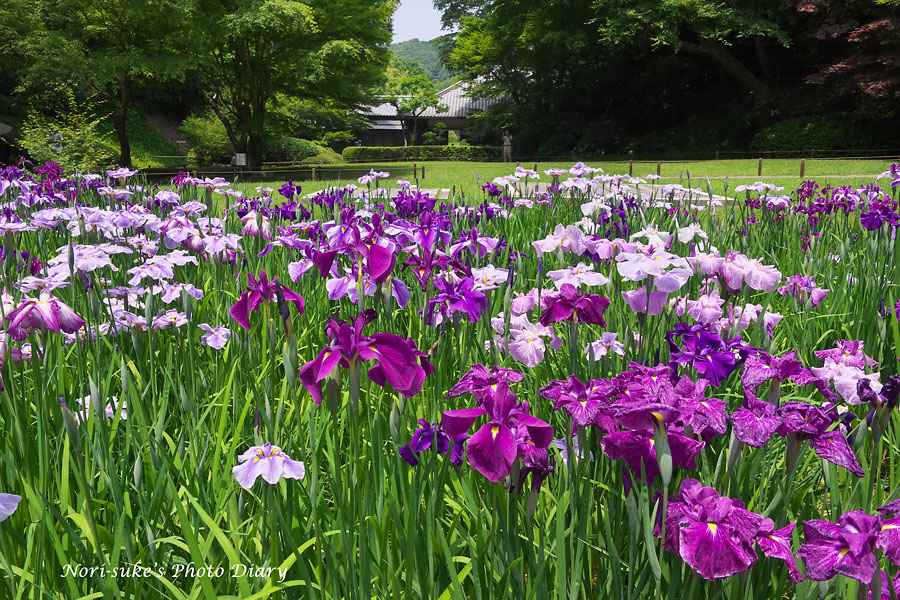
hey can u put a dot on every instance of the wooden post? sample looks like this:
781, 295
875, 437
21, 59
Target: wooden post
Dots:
657, 168
812, 153
630, 162
415, 172
535, 167
717, 155
802, 167
314, 173
759, 169
518, 164
423, 171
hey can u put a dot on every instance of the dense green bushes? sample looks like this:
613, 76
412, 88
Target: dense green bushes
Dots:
370, 153
208, 139
833, 131
288, 149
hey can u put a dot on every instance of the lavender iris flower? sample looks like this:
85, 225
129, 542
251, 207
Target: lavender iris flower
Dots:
268, 461
429, 435
8, 505
493, 448
215, 337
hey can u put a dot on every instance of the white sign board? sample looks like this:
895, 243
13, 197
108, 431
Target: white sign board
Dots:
240, 159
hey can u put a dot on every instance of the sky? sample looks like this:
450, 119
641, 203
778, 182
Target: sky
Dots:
416, 19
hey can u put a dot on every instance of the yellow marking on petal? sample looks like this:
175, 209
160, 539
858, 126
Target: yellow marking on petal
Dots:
494, 431
886, 527
712, 528
844, 552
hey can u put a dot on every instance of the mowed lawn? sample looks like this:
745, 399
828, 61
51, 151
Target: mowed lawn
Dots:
466, 176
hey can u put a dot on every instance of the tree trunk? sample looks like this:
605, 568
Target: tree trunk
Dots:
731, 65
121, 117
415, 130
403, 131
255, 151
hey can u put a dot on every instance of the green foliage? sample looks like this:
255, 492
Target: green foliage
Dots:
289, 149
149, 149
836, 131
337, 140
326, 156
209, 142
436, 136
251, 53
74, 139
376, 153
425, 54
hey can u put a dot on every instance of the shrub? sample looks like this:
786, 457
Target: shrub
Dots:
326, 156
822, 132
288, 149
374, 153
209, 142
337, 140
73, 140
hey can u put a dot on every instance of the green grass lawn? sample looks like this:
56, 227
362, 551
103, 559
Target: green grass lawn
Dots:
466, 176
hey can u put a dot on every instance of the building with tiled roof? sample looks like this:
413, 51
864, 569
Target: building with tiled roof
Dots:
386, 128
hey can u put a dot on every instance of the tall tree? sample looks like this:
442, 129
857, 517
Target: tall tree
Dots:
250, 51
105, 47
408, 89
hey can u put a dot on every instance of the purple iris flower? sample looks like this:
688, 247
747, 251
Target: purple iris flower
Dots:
450, 298
268, 461
638, 450
493, 448
761, 367
259, 291
715, 535
705, 351
582, 402
289, 190
569, 304
429, 435
848, 547
397, 358
480, 382
755, 422
802, 420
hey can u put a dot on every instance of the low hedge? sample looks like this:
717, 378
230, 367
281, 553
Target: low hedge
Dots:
376, 153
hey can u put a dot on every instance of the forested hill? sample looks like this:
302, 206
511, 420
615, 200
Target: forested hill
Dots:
425, 53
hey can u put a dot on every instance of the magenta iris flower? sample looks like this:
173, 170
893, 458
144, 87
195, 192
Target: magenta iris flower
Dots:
267, 461
494, 447
428, 436
848, 547
715, 535
397, 359
259, 291
569, 304
638, 450
44, 312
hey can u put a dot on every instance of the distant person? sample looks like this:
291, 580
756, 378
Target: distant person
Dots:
507, 146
